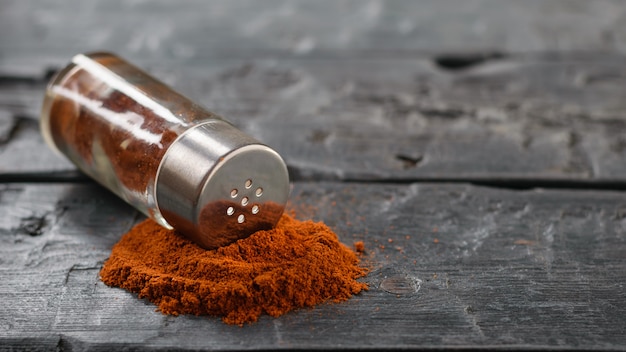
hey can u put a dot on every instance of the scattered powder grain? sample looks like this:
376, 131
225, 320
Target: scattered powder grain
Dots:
359, 247
297, 264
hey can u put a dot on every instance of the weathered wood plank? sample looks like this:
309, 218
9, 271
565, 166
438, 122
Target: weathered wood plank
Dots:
452, 266
33, 37
516, 118
364, 91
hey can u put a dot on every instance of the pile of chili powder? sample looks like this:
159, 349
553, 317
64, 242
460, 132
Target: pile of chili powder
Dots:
294, 265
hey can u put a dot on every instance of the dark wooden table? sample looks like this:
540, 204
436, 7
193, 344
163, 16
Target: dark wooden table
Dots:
478, 148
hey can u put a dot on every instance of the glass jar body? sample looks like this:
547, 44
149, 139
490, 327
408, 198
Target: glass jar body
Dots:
116, 122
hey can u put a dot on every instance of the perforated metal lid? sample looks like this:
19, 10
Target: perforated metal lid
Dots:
216, 185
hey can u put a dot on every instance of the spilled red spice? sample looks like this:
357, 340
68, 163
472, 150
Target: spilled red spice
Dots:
359, 247
294, 265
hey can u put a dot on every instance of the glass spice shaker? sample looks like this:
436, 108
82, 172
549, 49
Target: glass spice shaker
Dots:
170, 158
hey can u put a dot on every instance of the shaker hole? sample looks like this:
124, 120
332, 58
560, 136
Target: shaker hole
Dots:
230, 211
259, 192
244, 201
248, 183
233, 193
255, 209
241, 219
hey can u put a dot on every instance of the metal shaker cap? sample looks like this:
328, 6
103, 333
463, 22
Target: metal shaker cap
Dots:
216, 185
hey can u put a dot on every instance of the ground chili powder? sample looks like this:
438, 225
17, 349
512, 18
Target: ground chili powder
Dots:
294, 265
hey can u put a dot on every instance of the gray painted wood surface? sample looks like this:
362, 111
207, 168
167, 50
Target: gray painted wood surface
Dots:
359, 91
389, 114
393, 118
452, 266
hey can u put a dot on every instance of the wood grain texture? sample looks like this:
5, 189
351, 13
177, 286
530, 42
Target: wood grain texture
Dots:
395, 119
399, 90
33, 36
452, 266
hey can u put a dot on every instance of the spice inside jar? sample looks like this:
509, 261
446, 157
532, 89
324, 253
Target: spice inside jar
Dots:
178, 163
